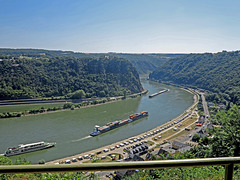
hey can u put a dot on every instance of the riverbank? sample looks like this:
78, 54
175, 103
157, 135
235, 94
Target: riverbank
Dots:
67, 106
69, 129
127, 142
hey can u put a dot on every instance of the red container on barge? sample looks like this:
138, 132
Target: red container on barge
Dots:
115, 124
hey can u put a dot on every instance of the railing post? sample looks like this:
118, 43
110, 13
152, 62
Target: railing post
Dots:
229, 172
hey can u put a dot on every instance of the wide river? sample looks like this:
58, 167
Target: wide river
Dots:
70, 129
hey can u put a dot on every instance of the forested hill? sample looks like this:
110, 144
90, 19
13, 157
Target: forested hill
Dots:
144, 63
218, 72
30, 77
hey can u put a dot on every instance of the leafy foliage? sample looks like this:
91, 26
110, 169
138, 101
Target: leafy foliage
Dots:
30, 77
35, 176
180, 173
196, 138
210, 172
219, 73
226, 140
144, 63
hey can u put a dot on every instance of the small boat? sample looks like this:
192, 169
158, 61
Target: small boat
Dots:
26, 148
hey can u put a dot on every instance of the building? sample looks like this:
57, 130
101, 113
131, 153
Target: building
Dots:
178, 145
163, 152
139, 150
201, 121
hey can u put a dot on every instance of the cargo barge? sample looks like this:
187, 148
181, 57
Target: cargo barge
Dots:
115, 124
160, 92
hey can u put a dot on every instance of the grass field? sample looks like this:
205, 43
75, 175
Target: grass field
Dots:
27, 107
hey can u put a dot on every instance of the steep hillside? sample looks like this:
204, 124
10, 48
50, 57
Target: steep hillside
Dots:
29, 77
219, 73
144, 63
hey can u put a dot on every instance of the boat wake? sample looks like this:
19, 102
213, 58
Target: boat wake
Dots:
81, 139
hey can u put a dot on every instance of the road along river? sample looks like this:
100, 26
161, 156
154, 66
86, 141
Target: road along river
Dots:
70, 129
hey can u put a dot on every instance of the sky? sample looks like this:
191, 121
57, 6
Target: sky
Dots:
127, 26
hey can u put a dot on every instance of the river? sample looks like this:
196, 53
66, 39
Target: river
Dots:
70, 129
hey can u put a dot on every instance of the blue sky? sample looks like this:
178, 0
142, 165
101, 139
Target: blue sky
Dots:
134, 26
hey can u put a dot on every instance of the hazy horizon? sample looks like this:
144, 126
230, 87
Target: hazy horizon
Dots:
117, 52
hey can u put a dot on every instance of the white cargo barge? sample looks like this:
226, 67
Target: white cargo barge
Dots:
160, 92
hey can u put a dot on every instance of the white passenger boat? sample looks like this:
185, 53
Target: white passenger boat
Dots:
25, 148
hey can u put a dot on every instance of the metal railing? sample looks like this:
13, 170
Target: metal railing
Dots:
228, 162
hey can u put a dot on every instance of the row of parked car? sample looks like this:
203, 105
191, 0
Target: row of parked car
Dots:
87, 156
105, 150
169, 125
127, 142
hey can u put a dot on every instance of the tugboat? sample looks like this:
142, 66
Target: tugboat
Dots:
26, 148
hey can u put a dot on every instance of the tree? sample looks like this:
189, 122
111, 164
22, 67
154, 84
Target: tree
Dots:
226, 141
196, 138
29, 77
213, 72
102, 94
204, 140
67, 106
5, 161
79, 94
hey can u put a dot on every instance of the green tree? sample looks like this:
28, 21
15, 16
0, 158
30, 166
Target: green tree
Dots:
196, 138
67, 106
102, 94
204, 140
226, 140
79, 94
5, 160
215, 72
31, 77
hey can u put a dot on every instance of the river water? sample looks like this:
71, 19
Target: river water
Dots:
70, 129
